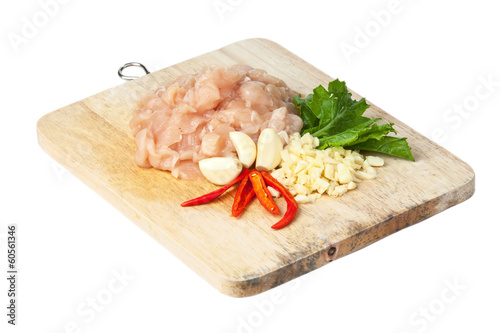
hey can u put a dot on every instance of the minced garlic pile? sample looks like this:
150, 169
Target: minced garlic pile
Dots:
308, 172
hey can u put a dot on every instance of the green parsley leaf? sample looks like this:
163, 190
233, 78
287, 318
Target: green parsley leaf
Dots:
336, 119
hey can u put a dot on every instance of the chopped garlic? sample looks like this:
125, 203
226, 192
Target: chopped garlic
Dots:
308, 172
375, 160
274, 193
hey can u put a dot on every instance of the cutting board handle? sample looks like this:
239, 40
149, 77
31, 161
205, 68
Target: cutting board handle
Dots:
131, 64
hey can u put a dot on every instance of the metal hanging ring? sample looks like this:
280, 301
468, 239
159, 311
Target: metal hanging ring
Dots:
131, 64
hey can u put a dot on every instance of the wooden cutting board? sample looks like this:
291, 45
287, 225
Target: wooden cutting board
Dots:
244, 256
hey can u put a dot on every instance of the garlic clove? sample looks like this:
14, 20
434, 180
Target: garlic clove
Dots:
269, 147
220, 170
245, 148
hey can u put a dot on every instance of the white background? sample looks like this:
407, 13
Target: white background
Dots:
426, 58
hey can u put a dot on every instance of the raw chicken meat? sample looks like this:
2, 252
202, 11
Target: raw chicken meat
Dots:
189, 119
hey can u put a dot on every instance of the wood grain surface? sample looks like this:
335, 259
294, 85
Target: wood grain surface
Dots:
244, 256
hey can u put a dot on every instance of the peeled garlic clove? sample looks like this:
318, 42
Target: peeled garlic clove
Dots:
220, 170
269, 149
245, 147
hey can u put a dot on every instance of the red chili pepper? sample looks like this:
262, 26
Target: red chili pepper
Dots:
291, 204
262, 192
243, 196
213, 195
